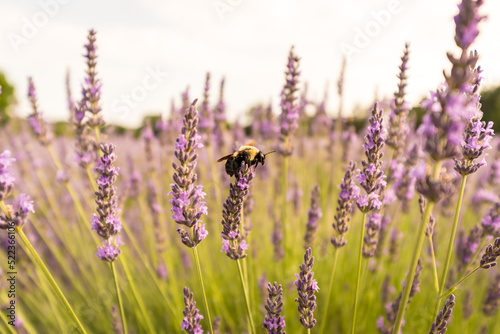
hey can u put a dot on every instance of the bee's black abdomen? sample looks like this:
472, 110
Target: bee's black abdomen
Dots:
231, 167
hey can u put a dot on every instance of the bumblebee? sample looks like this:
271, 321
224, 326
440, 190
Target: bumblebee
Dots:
251, 155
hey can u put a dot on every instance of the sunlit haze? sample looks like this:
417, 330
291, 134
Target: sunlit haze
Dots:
245, 41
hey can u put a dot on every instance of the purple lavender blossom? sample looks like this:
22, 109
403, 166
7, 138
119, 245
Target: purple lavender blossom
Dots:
467, 246
289, 108
107, 222
187, 201
6, 178
477, 137
491, 222
466, 22
490, 305
370, 240
306, 287
92, 86
314, 214
220, 116
192, 317
348, 192
233, 243
35, 119
439, 327
490, 255
206, 124
17, 214
398, 128
274, 322
371, 178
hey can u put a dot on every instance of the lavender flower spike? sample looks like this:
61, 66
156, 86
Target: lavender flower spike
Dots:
17, 214
187, 201
274, 322
491, 222
314, 214
490, 255
371, 178
289, 107
6, 178
306, 287
192, 317
106, 222
348, 192
92, 86
35, 119
233, 243
439, 327
477, 138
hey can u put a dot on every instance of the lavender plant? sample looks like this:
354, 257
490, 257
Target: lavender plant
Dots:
306, 287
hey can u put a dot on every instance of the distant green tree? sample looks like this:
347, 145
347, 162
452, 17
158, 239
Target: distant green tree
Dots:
7, 99
490, 100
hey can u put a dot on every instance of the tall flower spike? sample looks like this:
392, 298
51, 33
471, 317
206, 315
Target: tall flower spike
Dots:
233, 243
398, 128
6, 178
274, 322
491, 222
206, 116
106, 222
187, 201
289, 107
35, 119
306, 287
92, 85
18, 213
348, 192
439, 327
371, 177
314, 214
192, 316
490, 255
477, 138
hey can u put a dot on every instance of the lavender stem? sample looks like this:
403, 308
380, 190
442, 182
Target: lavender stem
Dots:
247, 301
416, 254
360, 259
434, 264
119, 296
452, 240
200, 276
330, 288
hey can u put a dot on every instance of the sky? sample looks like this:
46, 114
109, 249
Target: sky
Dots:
151, 50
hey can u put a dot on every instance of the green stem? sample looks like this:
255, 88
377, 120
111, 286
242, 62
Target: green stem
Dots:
360, 259
284, 222
93, 184
416, 255
434, 264
138, 298
49, 277
330, 288
451, 242
118, 295
413, 266
197, 260
247, 302
453, 288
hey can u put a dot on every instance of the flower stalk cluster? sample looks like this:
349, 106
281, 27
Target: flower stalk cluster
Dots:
233, 242
106, 222
187, 201
314, 214
348, 192
274, 322
6, 178
398, 128
306, 287
371, 177
192, 317
92, 86
35, 119
289, 107
439, 327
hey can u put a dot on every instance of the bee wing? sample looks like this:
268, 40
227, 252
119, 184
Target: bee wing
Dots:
250, 142
225, 157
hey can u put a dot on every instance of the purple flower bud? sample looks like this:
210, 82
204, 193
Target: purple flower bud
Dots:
6, 178
192, 317
306, 287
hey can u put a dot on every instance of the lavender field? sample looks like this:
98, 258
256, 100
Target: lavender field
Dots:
334, 221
